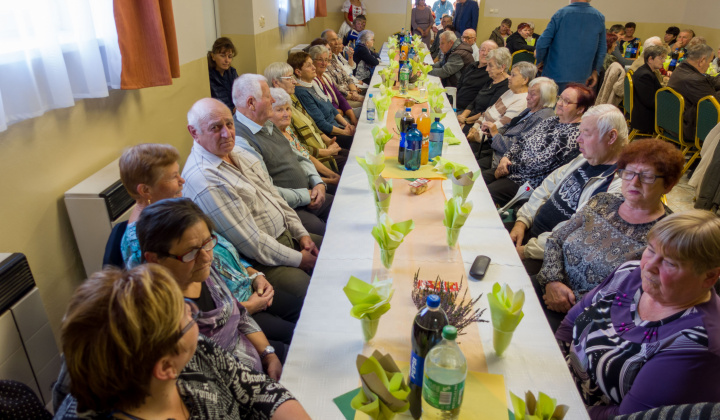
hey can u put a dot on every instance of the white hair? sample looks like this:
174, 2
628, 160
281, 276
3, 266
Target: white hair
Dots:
526, 70
201, 109
316, 50
363, 36
501, 56
324, 33
609, 117
246, 86
280, 96
274, 71
449, 36
548, 90
653, 40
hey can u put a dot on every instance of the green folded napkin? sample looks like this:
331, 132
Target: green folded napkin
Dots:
392, 53
392, 41
383, 191
436, 102
456, 213
393, 65
389, 236
424, 70
421, 54
440, 115
450, 138
373, 164
448, 167
370, 302
435, 89
381, 136
384, 392
506, 313
544, 408
382, 104
463, 183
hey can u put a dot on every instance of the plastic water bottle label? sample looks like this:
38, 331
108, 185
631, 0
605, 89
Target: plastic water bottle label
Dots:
442, 396
417, 364
371, 114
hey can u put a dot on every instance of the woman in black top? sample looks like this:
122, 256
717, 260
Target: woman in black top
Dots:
222, 74
498, 64
365, 56
518, 40
645, 84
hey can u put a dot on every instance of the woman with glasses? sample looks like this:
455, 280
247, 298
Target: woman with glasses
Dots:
609, 230
222, 74
133, 351
326, 88
176, 234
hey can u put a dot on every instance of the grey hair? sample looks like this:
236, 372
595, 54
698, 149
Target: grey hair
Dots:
699, 51
316, 50
609, 117
324, 33
501, 56
548, 90
246, 86
532, 25
449, 36
200, 110
280, 96
274, 71
363, 36
654, 51
527, 70
653, 40
446, 15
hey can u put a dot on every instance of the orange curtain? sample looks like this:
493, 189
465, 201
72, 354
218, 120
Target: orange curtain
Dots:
148, 44
320, 8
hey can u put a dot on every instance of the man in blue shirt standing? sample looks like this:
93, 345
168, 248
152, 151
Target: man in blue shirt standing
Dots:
466, 15
442, 8
572, 47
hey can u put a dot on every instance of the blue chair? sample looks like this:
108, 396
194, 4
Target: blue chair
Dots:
113, 253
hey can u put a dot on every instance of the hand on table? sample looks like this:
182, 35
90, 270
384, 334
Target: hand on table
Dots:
558, 297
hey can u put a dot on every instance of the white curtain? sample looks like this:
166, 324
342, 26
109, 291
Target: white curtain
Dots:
53, 52
295, 12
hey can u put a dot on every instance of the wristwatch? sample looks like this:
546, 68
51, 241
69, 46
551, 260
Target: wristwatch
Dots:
268, 350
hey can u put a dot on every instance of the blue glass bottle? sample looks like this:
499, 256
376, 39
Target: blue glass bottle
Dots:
401, 149
437, 135
413, 149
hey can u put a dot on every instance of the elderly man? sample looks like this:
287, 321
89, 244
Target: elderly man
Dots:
336, 70
690, 81
603, 133
466, 15
435, 52
293, 175
474, 77
578, 28
458, 55
469, 37
231, 186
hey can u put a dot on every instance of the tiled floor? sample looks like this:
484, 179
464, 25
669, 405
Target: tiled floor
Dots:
681, 197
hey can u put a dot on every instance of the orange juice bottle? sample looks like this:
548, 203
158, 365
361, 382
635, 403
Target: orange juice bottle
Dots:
423, 125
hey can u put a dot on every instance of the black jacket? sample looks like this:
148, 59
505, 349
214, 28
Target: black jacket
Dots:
645, 84
516, 42
693, 86
472, 80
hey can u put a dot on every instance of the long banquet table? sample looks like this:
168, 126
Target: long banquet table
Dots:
321, 363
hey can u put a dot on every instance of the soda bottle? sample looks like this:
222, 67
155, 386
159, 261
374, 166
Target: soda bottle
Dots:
370, 111
426, 333
413, 149
673, 60
401, 149
423, 124
444, 380
437, 135
406, 120
404, 77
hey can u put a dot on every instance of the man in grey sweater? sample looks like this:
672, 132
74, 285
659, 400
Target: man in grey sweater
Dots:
293, 175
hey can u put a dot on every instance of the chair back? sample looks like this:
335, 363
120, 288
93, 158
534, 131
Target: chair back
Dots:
113, 253
522, 55
628, 97
669, 109
708, 115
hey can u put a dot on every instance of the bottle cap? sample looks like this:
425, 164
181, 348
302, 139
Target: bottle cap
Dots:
433, 301
413, 125
371, 95
449, 332
424, 110
437, 119
408, 109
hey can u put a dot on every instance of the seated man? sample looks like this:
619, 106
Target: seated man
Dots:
500, 34
603, 134
435, 52
469, 37
358, 25
474, 77
293, 175
231, 186
336, 70
681, 42
690, 81
458, 55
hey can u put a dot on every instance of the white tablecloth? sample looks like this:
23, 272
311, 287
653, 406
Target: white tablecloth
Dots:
321, 363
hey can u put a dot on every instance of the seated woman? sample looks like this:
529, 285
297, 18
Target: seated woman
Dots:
546, 147
510, 104
326, 88
609, 229
519, 40
365, 56
176, 234
498, 61
133, 350
645, 85
327, 118
281, 117
541, 97
647, 336
222, 74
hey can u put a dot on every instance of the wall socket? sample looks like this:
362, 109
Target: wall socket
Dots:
494, 11
261, 21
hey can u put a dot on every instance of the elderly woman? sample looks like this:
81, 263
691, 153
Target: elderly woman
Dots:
541, 97
421, 21
222, 74
519, 40
365, 56
610, 229
317, 144
282, 117
538, 152
176, 234
647, 335
133, 350
327, 118
645, 85
498, 61
326, 88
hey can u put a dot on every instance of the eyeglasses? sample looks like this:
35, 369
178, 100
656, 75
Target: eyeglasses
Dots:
645, 178
467, 37
194, 313
565, 101
193, 253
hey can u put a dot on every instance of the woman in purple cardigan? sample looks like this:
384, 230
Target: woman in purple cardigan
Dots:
649, 335
326, 88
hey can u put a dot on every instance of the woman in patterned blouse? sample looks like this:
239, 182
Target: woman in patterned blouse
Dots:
133, 350
648, 336
609, 230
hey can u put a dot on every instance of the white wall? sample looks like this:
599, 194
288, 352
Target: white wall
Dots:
660, 11
190, 30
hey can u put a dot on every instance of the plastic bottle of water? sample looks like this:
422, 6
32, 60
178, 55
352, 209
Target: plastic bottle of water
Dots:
404, 78
426, 333
413, 149
437, 135
370, 111
444, 381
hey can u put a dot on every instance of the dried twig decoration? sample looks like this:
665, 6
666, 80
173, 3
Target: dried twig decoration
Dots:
460, 312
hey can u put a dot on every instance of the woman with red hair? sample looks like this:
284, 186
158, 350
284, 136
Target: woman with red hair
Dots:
519, 40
